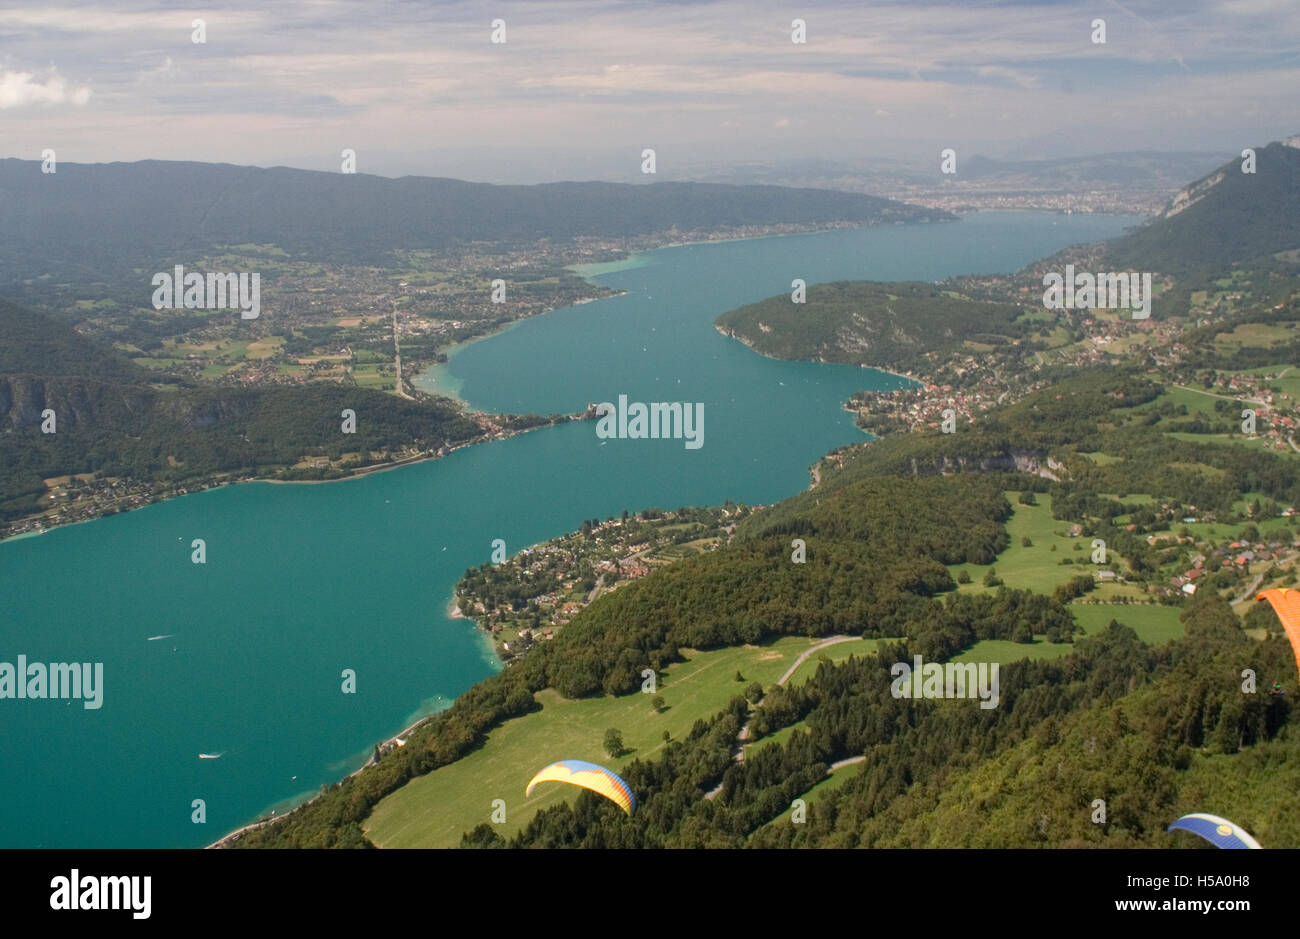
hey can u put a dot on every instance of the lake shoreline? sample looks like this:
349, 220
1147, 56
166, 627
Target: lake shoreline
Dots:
919, 382
614, 266
423, 619
358, 473
453, 610
290, 805
453, 350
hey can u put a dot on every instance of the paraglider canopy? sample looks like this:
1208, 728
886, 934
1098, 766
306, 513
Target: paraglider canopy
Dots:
588, 776
1216, 830
1286, 604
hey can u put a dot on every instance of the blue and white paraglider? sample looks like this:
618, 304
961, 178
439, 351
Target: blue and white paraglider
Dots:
1218, 831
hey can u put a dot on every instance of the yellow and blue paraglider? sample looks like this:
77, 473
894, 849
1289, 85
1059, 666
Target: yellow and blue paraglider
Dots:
588, 776
1216, 830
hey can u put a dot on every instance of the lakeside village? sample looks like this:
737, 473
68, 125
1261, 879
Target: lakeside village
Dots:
984, 375
529, 597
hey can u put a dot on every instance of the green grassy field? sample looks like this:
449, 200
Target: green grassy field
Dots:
1196, 402
836, 779
1037, 567
1004, 650
778, 739
97, 304
369, 376
436, 809
216, 371
1231, 531
1252, 334
836, 653
1101, 459
1153, 624
264, 348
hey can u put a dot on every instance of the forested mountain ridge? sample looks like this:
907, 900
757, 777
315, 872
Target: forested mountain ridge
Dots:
98, 221
186, 436
900, 325
1226, 218
37, 346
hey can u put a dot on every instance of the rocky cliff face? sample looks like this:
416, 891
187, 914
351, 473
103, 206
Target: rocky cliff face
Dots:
1188, 197
200, 414
75, 401
1012, 461
87, 402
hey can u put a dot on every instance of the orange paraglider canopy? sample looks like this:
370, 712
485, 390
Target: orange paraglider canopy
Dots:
1286, 604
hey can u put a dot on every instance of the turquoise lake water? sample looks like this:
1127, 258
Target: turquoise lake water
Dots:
304, 581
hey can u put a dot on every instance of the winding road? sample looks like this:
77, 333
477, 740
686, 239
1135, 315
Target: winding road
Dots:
739, 752
1211, 394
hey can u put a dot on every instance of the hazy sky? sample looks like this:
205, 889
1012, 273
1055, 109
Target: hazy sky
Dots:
580, 88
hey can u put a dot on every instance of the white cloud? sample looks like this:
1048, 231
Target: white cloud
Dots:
20, 89
164, 72
1017, 76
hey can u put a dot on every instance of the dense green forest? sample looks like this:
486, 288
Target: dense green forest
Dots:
32, 345
890, 325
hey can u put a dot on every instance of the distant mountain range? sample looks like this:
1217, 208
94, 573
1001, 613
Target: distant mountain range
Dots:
1143, 171
1136, 168
97, 221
